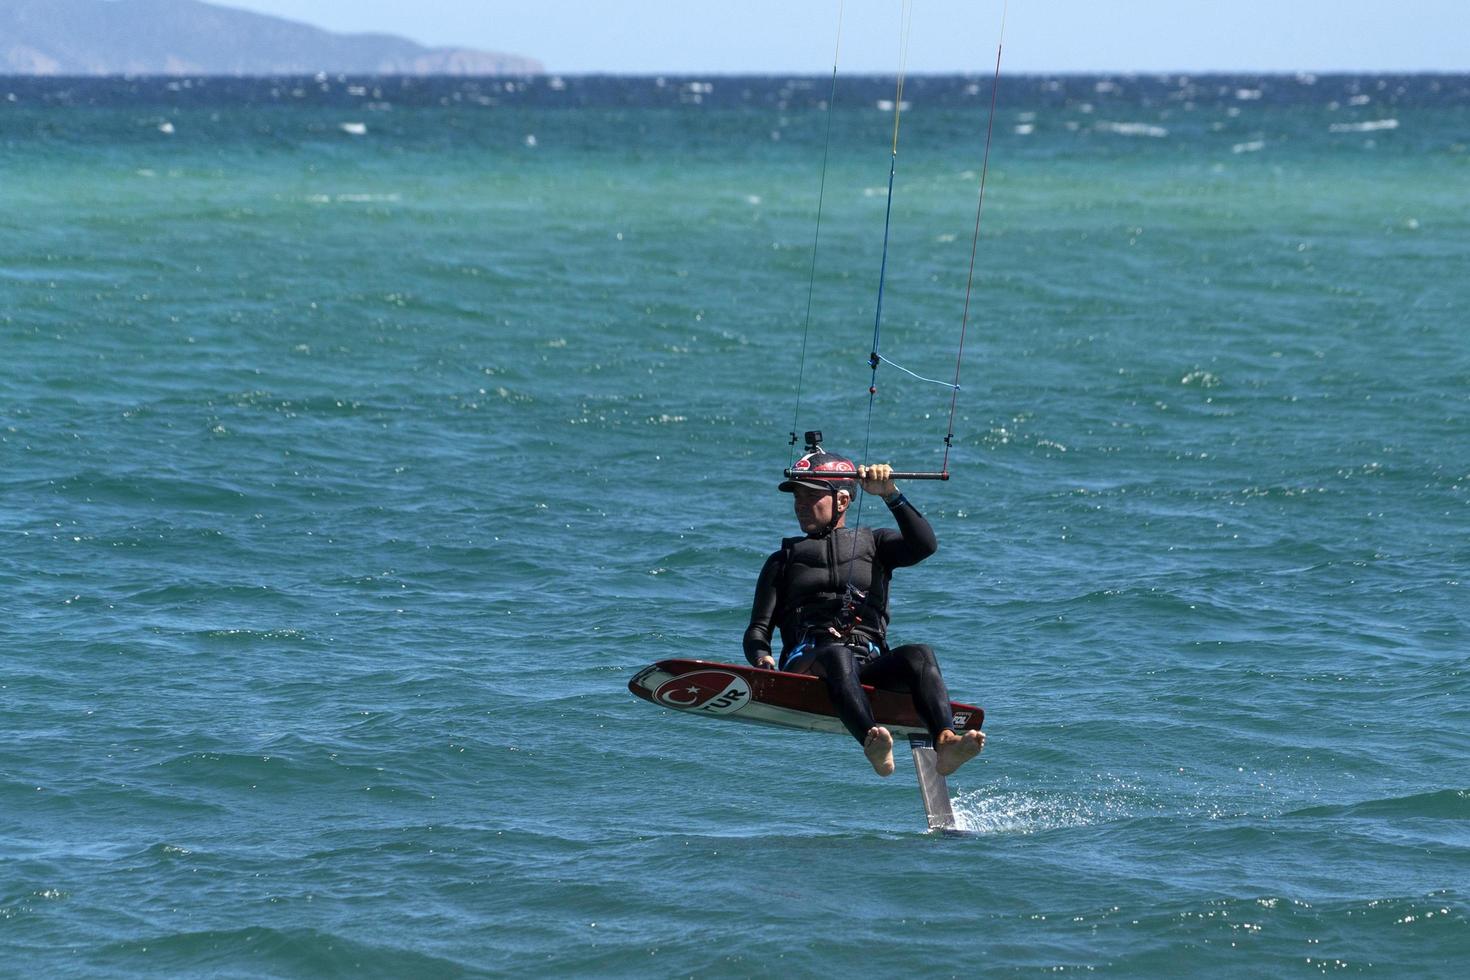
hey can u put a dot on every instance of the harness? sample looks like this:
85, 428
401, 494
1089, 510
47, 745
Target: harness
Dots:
830, 596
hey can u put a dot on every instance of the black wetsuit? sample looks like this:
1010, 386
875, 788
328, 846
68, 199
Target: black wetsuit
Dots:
828, 596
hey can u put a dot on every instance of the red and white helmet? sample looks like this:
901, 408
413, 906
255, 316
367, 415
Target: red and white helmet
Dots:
804, 473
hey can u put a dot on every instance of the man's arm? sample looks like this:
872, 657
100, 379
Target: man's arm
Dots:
915, 540
763, 614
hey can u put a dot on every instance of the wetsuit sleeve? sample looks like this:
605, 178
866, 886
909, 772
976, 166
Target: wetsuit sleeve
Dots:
763, 610
911, 543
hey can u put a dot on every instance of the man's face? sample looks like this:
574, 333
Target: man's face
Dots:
814, 507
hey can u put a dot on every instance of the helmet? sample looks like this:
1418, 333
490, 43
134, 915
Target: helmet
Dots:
821, 462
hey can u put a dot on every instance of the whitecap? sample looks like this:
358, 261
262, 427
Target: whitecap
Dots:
1204, 379
1025, 129
886, 105
166, 128
1133, 129
1248, 94
531, 139
354, 128
1372, 126
1254, 146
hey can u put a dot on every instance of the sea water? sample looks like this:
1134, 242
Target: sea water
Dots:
360, 439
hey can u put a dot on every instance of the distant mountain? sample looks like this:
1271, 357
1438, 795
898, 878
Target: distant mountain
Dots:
189, 37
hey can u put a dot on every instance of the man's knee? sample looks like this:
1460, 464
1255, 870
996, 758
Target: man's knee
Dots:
920, 657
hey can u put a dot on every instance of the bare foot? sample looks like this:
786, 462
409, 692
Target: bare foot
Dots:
956, 750
878, 747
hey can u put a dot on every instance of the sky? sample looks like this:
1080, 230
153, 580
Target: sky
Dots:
800, 36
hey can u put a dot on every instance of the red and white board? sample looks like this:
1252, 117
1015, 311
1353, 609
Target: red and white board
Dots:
740, 692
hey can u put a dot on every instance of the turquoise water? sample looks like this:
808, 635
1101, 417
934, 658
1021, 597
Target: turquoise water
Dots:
349, 474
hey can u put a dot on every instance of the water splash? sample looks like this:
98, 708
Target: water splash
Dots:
999, 810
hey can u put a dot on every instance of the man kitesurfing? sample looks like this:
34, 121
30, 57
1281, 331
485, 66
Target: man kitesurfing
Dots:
827, 593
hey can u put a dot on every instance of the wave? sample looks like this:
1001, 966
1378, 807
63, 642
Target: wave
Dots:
1397, 935
304, 951
1447, 804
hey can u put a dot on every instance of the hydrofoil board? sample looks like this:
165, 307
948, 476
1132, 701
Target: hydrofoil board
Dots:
739, 692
